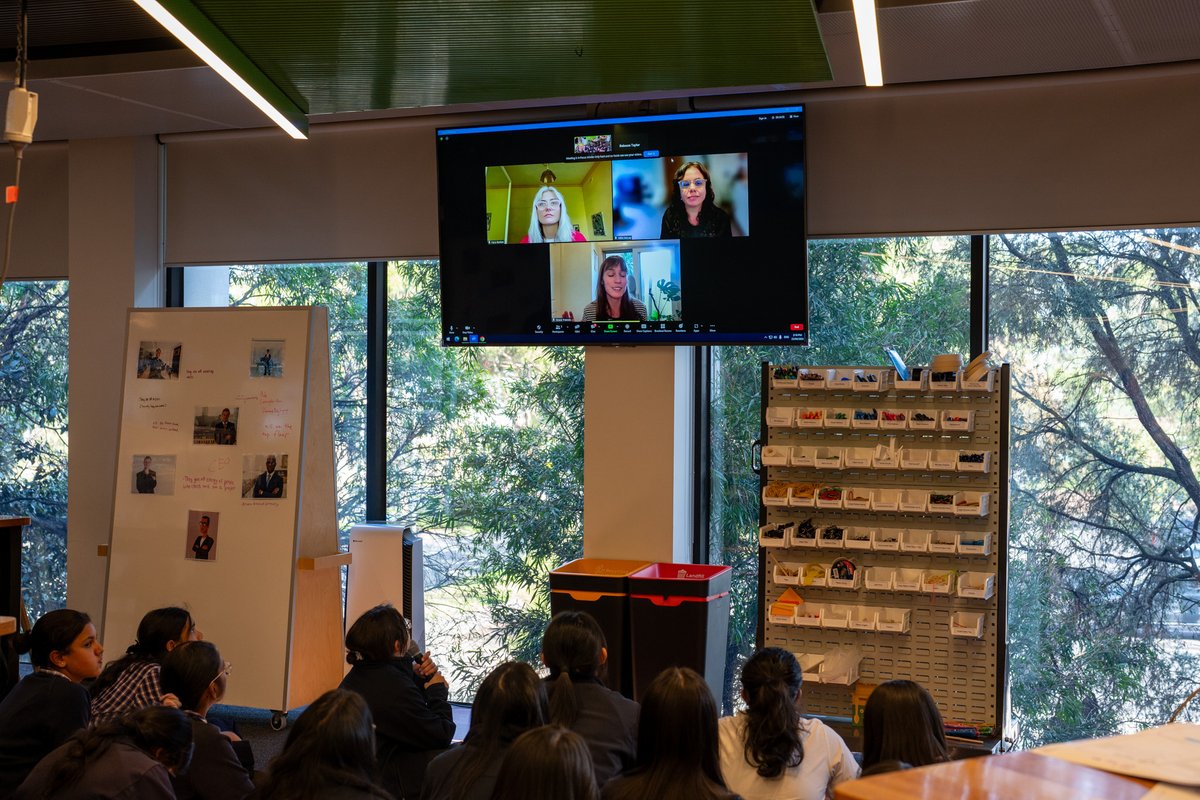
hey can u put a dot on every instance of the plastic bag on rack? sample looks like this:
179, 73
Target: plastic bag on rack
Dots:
841, 664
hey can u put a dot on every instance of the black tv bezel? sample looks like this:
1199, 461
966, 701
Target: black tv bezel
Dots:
621, 333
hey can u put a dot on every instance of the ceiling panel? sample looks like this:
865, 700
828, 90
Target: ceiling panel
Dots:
356, 55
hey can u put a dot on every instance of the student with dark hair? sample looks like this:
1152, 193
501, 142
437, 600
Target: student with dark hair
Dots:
406, 694
131, 682
677, 755
547, 763
132, 757
770, 752
901, 722
573, 649
196, 674
511, 700
329, 754
46, 707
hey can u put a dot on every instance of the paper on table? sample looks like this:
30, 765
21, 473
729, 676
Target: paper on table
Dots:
1169, 753
1165, 791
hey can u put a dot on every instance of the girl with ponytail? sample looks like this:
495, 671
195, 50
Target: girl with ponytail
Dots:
131, 682
575, 652
770, 751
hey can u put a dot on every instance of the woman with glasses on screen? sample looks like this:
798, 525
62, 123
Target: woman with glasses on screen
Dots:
549, 220
612, 295
693, 211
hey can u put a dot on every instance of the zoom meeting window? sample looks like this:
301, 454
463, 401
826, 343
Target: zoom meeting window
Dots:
685, 228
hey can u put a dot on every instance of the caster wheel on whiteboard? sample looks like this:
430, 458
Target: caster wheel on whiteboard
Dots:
278, 721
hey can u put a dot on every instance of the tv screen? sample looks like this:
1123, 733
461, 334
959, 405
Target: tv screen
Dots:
670, 229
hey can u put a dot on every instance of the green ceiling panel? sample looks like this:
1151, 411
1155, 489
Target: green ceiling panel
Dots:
357, 55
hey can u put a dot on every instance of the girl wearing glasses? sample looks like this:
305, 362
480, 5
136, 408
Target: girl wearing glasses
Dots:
693, 212
549, 220
195, 673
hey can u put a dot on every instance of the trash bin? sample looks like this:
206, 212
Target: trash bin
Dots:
600, 586
679, 617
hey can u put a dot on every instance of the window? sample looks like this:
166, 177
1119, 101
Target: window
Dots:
865, 294
485, 454
1102, 329
33, 426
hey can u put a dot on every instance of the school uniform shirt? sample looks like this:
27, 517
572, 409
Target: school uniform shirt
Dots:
827, 762
40, 713
412, 723
608, 722
123, 772
215, 772
440, 774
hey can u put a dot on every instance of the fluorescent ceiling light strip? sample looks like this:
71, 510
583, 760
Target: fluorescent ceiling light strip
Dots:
193, 43
868, 41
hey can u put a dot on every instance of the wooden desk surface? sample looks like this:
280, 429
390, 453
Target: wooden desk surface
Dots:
1028, 776
13, 522
8, 625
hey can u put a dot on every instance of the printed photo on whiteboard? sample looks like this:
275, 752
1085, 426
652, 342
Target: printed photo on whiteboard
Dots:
264, 476
266, 358
215, 425
153, 474
201, 543
159, 360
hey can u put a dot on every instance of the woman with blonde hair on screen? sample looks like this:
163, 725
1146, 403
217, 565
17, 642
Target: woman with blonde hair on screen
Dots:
549, 220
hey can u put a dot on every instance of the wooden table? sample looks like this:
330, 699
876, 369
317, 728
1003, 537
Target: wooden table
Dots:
1028, 776
8, 625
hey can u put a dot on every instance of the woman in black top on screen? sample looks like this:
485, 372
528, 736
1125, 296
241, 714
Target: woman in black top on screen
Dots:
407, 696
693, 211
510, 701
45, 708
575, 652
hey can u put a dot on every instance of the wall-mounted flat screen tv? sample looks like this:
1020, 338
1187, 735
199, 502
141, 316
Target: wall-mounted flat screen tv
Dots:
669, 229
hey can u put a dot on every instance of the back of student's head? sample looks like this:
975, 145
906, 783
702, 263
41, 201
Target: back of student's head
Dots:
163, 733
678, 753
771, 681
54, 632
547, 763
510, 701
373, 638
332, 744
901, 722
189, 670
573, 649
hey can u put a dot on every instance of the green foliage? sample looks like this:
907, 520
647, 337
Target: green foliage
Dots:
33, 427
1101, 329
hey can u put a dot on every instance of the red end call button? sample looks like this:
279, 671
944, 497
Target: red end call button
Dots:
797, 326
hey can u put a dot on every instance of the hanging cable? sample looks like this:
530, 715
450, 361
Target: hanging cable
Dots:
20, 119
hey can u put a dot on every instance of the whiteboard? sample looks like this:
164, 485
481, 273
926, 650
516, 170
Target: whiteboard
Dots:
184, 369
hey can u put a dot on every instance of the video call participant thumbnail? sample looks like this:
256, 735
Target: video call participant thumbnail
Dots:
549, 220
693, 212
612, 295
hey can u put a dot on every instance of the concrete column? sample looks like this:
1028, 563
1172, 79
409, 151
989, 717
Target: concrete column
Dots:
637, 454
113, 264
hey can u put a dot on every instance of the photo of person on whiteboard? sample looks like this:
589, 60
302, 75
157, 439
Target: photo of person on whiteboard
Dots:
612, 295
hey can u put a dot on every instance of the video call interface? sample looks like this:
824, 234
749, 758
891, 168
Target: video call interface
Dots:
672, 229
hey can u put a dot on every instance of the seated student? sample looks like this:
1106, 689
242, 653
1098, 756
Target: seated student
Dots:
131, 682
329, 754
547, 763
132, 757
770, 751
46, 707
677, 754
195, 673
510, 701
407, 698
573, 649
901, 722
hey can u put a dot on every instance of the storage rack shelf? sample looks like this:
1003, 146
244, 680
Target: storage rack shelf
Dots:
927, 597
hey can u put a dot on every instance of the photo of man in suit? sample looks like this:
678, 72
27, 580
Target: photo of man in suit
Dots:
204, 542
147, 478
269, 484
